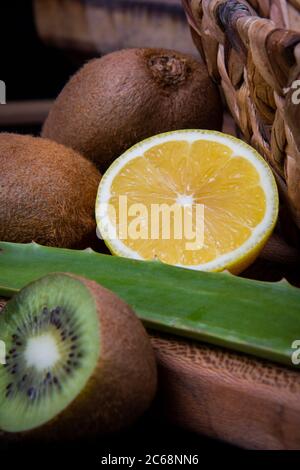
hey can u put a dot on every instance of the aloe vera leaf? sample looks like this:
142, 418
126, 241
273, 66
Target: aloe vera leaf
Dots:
258, 318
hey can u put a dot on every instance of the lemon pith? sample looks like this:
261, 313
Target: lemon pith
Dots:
223, 174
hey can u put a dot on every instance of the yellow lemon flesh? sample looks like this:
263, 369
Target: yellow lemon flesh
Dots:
197, 199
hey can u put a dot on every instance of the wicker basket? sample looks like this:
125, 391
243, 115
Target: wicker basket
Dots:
252, 49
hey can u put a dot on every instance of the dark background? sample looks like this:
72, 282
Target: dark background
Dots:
30, 69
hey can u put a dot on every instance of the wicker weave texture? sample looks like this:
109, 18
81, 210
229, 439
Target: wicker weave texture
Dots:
252, 49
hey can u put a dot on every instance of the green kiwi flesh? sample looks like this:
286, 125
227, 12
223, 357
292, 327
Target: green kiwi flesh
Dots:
78, 362
52, 350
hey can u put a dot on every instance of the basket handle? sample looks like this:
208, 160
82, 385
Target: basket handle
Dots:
227, 13
190, 16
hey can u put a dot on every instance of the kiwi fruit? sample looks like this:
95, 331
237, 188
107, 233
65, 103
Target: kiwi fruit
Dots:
126, 96
79, 362
47, 193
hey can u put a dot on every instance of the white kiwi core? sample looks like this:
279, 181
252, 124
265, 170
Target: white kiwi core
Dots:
42, 352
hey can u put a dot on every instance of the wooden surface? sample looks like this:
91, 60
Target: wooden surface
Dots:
240, 400
96, 27
24, 112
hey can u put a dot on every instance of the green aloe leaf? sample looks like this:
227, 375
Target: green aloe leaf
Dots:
258, 318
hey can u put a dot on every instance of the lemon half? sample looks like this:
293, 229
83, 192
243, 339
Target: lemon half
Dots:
224, 189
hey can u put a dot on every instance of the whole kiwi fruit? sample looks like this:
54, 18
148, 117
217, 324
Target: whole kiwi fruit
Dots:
79, 362
126, 96
47, 193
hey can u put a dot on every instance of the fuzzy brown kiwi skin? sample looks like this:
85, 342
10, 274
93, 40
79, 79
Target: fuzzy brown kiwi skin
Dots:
118, 100
47, 193
122, 385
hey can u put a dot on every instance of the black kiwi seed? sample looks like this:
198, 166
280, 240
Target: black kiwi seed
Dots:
21, 385
55, 380
31, 393
9, 393
55, 313
55, 321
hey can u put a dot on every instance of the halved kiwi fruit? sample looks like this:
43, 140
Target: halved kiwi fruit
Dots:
79, 362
